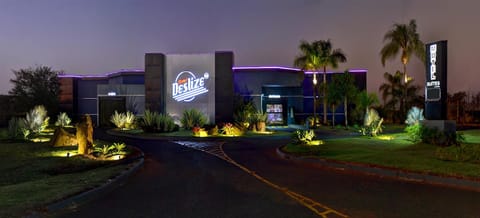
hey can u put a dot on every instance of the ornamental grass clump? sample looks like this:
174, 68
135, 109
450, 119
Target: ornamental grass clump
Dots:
154, 122
36, 120
63, 120
192, 118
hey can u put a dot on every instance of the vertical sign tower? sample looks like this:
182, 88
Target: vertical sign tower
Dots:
436, 81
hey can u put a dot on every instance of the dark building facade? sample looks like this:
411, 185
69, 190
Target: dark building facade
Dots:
285, 94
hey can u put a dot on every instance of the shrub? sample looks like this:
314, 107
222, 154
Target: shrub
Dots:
192, 118
15, 127
244, 109
104, 150
155, 122
414, 132
129, 120
36, 120
440, 138
164, 123
118, 119
63, 120
303, 136
119, 148
231, 130
372, 123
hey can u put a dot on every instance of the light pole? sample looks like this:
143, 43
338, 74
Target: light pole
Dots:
314, 100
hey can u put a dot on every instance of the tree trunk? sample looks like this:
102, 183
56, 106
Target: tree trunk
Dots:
324, 94
345, 108
333, 116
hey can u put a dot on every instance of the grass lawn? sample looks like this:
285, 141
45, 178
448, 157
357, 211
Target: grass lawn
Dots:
391, 150
35, 174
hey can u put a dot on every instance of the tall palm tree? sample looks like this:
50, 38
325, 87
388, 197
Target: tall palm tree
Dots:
344, 85
309, 59
405, 39
317, 55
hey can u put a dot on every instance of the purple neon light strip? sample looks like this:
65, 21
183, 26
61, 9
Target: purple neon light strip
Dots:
104, 75
265, 68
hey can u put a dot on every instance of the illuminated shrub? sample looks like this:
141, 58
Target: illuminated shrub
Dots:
229, 129
63, 120
372, 123
258, 121
192, 118
244, 109
106, 150
36, 120
118, 119
414, 116
303, 136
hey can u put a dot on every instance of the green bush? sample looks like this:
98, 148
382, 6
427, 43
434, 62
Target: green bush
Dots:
155, 122
36, 120
15, 127
192, 118
440, 138
63, 120
414, 132
164, 123
244, 108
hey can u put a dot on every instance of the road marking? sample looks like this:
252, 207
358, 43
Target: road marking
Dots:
216, 149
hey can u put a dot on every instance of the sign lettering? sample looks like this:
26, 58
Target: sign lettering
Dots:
187, 86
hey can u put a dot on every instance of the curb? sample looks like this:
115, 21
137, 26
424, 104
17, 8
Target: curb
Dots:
81, 198
394, 173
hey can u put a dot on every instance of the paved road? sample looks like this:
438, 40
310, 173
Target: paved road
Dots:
180, 182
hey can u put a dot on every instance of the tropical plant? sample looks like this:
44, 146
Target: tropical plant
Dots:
305, 137
191, 118
344, 86
155, 122
372, 124
403, 39
398, 96
129, 120
414, 116
365, 100
315, 56
36, 86
164, 123
118, 119
63, 120
15, 126
104, 150
244, 108
36, 120
119, 148
334, 98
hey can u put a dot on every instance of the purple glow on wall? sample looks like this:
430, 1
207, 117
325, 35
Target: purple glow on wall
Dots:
104, 75
265, 68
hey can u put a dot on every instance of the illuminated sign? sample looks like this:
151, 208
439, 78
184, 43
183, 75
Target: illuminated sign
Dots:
187, 86
436, 71
436, 80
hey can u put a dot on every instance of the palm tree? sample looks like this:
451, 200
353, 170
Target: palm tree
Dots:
397, 96
405, 39
365, 100
316, 55
344, 84
391, 92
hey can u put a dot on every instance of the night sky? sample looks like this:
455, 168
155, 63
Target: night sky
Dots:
98, 36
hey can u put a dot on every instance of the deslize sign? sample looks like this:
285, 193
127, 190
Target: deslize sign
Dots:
187, 86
